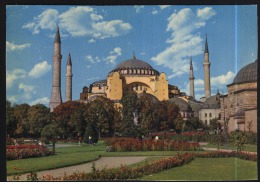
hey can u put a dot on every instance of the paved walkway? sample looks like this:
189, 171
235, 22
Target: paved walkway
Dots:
108, 162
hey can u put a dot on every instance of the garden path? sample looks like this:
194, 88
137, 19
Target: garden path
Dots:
108, 162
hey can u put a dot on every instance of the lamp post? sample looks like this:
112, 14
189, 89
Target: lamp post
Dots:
224, 117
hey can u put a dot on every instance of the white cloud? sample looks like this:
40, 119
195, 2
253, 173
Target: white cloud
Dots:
13, 75
39, 69
92, 60
154, 12
206, 13
223, 79
79, 21
164, 6
111, 58
113, 55
13, 47
218, 82
91, 41
46, 20
26, 88
138, 8
43, 100
183, 42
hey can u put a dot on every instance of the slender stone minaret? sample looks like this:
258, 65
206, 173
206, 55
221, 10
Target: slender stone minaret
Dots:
56, 76
69, 80
206, 66
191, 80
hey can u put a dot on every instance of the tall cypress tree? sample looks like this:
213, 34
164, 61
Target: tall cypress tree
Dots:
129, 103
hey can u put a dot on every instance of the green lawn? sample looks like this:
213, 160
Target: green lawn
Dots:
248, 147
68, 156
210, 169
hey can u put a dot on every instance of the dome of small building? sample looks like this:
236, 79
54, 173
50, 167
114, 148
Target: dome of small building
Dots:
212, 102
183, 105
247, 74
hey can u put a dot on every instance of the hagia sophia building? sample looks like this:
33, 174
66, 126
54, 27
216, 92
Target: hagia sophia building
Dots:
237, 109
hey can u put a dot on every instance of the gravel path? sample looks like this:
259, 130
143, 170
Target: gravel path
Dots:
109, 162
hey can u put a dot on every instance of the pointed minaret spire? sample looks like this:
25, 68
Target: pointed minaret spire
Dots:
191, 80
206, 45
206, 65
191, 67
57, 36
69, 79
69, 60
56, 75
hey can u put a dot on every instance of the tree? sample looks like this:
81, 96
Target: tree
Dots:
21, 117
146, 107
11, 122
38, 116
51, 132
70, 118
129, 103
193, 124
214, 124
238, 139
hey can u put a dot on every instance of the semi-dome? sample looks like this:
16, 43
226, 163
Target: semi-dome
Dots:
247, 74
135, 66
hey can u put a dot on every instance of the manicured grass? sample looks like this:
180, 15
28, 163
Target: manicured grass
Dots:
63, 157
209, 169
248, 147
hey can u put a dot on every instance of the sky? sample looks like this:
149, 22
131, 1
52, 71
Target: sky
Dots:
100, 37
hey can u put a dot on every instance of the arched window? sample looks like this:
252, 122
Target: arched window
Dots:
210, 115
136, 87
206, 115
205, 121
141, 87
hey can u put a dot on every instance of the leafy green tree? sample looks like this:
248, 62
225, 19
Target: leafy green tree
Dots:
146, 106
21, 116
51, 132
100, 114
129, 103
38, 116
214, 124
11, 122
193, 124
238, 139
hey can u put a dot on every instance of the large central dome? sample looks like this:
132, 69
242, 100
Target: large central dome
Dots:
135, 66
134, 63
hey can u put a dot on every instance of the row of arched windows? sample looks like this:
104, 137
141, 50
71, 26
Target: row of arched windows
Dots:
137, 71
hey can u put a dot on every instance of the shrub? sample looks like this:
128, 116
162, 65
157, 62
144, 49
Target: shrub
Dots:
128, 144
26, 151
238, 139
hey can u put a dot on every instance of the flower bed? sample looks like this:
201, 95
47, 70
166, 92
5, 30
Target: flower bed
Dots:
127, 172
221, 154
26, 151
126, 144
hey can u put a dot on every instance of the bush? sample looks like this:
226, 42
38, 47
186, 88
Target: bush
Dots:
26, 151
128, 144
238, 139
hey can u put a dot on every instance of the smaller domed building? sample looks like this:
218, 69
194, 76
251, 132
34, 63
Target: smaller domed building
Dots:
239, 106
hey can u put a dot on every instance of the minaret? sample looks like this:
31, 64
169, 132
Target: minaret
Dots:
69, 80
191, 80
56, 75
206, 66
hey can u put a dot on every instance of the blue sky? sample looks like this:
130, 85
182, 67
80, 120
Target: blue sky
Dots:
100, 37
